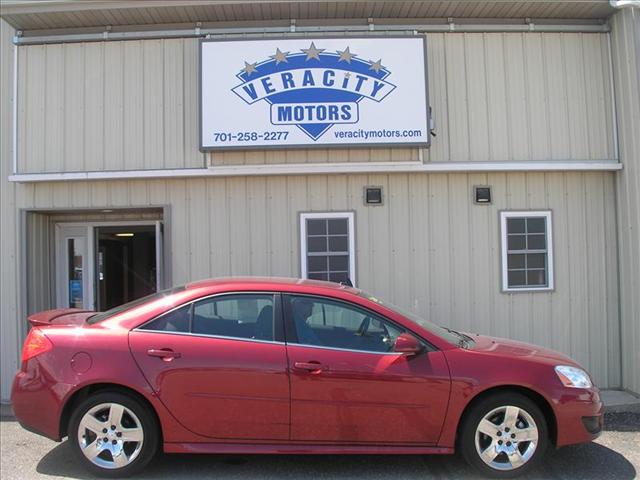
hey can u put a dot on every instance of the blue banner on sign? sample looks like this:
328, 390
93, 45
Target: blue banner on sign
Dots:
313, 89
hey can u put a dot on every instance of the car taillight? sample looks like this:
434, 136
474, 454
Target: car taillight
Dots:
35, 344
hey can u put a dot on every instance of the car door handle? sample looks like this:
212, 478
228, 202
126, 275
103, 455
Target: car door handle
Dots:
313, 367
165, 354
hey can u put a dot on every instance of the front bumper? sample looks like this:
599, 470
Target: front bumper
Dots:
579, 415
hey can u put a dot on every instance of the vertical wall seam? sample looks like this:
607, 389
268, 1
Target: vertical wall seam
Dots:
14, 133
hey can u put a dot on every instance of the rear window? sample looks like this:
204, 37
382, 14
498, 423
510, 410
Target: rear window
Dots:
99, 317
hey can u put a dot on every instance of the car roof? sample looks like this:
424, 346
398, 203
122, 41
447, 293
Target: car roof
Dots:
267, 282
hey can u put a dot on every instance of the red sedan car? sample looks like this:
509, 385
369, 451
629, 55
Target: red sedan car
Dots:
292, 366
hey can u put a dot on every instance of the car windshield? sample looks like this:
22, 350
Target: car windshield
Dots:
99, 317
447, 334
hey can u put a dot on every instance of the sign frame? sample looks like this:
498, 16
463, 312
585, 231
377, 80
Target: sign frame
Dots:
300, 146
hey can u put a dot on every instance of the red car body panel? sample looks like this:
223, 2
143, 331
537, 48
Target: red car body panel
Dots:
230, 395
217, 388
367, 397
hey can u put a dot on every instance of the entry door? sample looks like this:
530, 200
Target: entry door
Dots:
74, 267
348, 387
217, 368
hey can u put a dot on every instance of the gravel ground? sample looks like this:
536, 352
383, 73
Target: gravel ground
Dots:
615, 455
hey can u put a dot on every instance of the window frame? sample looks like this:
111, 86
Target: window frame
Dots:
291, 334
350, 216
278, 318
504, 216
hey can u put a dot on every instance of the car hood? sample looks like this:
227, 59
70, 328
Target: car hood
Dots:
513, 348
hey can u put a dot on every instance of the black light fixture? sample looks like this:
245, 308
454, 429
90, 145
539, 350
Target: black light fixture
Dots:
482, 194
373, 195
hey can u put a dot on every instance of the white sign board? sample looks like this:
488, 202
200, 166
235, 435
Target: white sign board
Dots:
313, 92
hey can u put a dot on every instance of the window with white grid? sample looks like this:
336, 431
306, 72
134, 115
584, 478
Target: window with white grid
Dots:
527, 251
327, 246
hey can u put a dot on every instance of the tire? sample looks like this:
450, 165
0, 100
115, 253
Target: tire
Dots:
128, 448
497, 453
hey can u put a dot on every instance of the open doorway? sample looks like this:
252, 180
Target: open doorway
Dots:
100, 265
125, 264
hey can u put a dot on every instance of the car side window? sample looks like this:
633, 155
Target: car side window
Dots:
328, 323
175, 321
240, 316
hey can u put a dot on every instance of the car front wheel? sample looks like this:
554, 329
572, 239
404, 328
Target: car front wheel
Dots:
504, 435
113, 434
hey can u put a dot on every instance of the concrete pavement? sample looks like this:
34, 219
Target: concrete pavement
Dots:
615, 455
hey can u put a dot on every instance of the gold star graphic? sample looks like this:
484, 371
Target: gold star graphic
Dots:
280, 56
249, 68
345, 55
312, 52
376, 66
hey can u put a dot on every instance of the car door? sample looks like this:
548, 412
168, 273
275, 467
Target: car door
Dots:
348, 386
219, 365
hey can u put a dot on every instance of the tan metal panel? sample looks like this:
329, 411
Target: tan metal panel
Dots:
133, 105
114, 145
454, 50
74, 113
625, 39
200, 229
517, 101
10, 321
54, 108
35, 100
598, 96
577, 288
612, 292
596, 301
576, 96
496, 100
94, 100
557, 96
153, 103
428, 248
537, 108
476, 76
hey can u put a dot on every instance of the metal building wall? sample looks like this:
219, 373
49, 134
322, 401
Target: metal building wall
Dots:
429, 248
133, 104
626, 57
427, 227
9, 222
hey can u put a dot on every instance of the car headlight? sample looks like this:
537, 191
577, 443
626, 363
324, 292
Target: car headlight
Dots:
573, 377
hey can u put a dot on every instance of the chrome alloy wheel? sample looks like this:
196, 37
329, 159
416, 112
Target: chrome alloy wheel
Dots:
506, 438
110, 435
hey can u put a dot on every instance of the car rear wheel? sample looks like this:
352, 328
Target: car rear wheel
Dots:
113, 434
504, 435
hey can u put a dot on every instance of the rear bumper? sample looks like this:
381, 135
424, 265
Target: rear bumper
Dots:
37, 405
579, 414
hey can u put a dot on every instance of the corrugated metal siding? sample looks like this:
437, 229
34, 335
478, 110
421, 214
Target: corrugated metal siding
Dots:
626, 56
39, 261
264, 11
495, 96
109, 106
9, 224
429, 248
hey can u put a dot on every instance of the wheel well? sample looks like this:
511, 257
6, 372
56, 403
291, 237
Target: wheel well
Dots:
85, 392
532, 395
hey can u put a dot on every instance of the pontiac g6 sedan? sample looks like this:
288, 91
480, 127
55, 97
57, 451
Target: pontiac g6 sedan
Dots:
292, 366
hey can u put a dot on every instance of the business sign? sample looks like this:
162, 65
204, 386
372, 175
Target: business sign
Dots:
307, 92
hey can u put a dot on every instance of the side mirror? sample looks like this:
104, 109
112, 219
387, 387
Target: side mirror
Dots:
407, 344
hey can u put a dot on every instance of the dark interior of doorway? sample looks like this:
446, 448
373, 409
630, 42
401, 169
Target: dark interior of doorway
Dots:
126, 264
